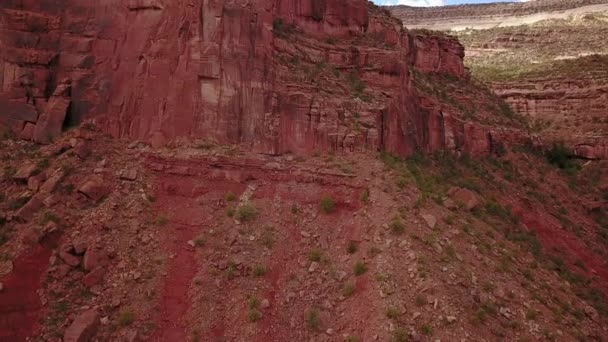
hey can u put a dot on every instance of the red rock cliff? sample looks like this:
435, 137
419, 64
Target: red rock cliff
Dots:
272, 76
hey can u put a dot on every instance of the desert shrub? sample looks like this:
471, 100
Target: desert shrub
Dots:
360, 268
327, 205
125, 317
559, 155
313, 319
246, 213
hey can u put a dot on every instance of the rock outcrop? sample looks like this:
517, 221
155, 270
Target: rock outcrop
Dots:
574, 109
271, 76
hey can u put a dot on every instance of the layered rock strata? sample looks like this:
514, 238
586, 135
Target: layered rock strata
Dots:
271, 76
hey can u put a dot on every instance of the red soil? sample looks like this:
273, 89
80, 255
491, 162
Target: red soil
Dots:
555, 239
20, 304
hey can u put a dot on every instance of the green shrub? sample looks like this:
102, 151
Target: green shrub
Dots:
365, 196
360, 268
246, 213
281, 29
392, 313
314, 255
125, 317
313, 319
348, 290
327, 205
397, 226
259, 270
351, 248
559, 155
230, 196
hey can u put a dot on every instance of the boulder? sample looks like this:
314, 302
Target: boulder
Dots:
129, 174
51, 184
83, 149
33, 183
464, 197
50, 122
83, 328
94, 188
430, 220
27, 212
93, 258
69, 258
25, 172
94, 277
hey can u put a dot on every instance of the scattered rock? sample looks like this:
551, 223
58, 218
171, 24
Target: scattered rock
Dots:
265, 303
62, 271
25, 172
129, 174
340, 275
451, 319
93, 258
430, 220
68, 258
466, 197
83, 328
94, 277
132, 336
80, 247
94, 188
27, 212
82, 149
305, 234
50, 201
51, 184
416, 315
33, 183
313, 266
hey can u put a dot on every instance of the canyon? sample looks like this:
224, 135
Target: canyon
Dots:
282, 170
550, 69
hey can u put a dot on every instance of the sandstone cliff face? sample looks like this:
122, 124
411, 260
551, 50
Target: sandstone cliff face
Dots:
574, 111
162, 71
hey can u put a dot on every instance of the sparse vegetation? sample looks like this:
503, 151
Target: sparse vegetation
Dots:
314, 255
327, 205
313, 319
267, 238
397, 227
365, 196
392, 313
230, 196
281, 30
348, 290
246, 213
125, 317
161, 220
254, 314
259, 270
360, 268
351, 247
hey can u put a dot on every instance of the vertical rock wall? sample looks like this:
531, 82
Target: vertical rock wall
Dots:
160, 70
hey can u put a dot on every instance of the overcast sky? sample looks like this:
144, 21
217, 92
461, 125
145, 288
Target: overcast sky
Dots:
436, 2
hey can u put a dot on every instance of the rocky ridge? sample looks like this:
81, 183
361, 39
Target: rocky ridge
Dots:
485, 16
